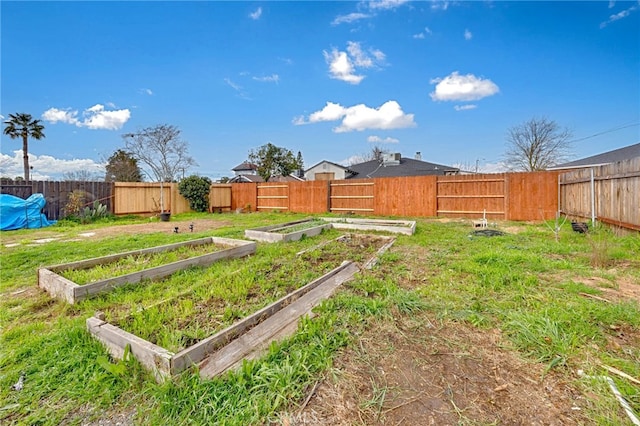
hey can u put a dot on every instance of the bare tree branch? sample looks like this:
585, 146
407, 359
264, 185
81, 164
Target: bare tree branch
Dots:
536, 145
161, 150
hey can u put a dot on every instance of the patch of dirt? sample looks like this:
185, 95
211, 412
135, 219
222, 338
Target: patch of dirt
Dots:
623, 289
415, 373
199, 225
42, 236
359, 248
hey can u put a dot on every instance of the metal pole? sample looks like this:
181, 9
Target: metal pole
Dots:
593, 200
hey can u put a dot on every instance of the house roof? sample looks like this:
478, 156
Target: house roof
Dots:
407, 167
328, 162
608, 157
288, 178
245, 166
246, 179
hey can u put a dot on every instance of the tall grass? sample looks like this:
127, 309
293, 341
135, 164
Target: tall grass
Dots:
525, 284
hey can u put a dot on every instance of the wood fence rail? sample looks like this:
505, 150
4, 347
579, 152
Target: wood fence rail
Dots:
57, 193
609, 193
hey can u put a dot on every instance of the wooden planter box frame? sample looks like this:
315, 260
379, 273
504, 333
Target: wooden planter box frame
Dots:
269, 234
62, 288
406, 227
164, 363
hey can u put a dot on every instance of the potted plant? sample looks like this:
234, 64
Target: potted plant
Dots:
165, 215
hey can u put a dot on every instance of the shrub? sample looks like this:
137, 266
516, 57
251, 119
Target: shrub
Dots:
196, 190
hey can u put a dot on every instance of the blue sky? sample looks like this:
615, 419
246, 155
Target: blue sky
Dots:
329, 79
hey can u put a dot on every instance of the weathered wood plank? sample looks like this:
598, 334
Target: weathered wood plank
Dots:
56, 285
200, 350
89, 263
286, 319
90, 290
153, 357
60, 287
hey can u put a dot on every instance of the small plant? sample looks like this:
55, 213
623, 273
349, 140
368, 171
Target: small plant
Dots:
196, 190
75, 203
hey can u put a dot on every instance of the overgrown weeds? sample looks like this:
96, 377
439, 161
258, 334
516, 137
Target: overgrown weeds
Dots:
524, 284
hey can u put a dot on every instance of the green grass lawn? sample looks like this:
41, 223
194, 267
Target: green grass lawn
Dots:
530, 287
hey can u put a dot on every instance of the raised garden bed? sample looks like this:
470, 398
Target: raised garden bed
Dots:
52, 280
289, 231
406, 227
245, 333
169, 336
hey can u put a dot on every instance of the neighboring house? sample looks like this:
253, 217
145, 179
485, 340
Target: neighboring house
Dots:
245, 168
289, 178
326, 170
246, 179
248, 173
394, 165
620, 154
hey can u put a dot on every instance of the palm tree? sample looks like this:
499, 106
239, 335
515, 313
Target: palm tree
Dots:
23, 125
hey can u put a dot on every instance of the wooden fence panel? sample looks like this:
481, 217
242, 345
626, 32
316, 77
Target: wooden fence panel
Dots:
220, 197
616, 193
309, 197
471, 196
405, 196
273, 196
244, 196
57, 193
532, 196
141, 197
352, 196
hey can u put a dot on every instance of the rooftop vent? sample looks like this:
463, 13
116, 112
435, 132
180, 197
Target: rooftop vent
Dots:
418, 156
391, 159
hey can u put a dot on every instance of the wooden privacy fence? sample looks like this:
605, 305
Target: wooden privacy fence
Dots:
57, 193
511, 196
609, 193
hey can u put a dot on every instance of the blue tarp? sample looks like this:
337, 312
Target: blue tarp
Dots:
16, 213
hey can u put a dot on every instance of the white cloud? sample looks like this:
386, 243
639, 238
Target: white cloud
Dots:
439, 4
347, 19
342, 65
378, 139
465, 107
273, 78
423, 34
256, 14
54, 115
468, 35
45, 166
456, 87
331, 112
620, 15
95, 117
611, 3
239, 89
361, 117
1, 117
145, 91
386, 4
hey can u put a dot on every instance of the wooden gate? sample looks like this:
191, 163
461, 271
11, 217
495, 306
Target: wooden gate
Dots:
472, 196
220, 198
353, 195
273, 196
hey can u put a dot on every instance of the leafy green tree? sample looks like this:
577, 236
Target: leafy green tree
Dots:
272, 160
21, 125
536, 145
196, 190
122, 167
